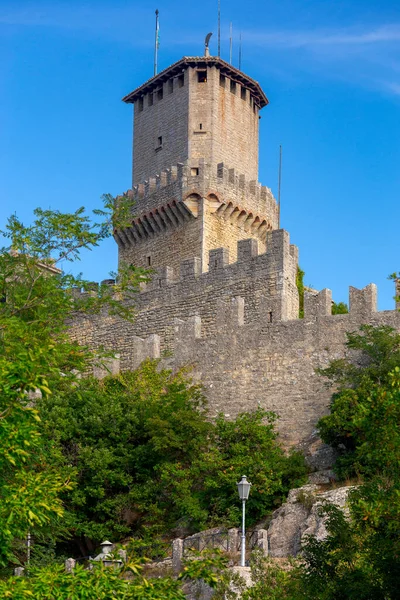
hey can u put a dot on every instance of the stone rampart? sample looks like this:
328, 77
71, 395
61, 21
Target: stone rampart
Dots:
267, 282
237, 327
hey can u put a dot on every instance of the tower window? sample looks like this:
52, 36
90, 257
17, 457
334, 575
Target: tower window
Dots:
160, 93
233, 87
243, 93
170, 86
181, 80
159, 142
222, 80
148, 261
201, 76
201, 126
140, 104
194, 171
151, 99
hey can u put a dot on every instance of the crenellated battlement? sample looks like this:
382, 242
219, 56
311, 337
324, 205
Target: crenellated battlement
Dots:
273, 270
199, 178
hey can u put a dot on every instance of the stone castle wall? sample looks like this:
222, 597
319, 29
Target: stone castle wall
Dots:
244, 363
267, 282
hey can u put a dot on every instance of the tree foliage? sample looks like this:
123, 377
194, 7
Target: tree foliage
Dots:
36, 354
99, 583
147, 454
365, 387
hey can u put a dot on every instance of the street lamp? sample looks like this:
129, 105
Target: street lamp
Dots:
244, 490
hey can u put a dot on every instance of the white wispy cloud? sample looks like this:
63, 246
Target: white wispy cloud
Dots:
364, 56
324, 37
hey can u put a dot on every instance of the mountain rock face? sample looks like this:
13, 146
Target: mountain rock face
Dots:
300, 517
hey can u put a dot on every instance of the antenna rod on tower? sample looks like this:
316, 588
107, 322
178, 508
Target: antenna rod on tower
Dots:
279, 186
219, 27
240, 52
157, 43
230, 44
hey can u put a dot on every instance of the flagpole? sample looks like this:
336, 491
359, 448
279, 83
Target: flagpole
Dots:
156, 44
219, 27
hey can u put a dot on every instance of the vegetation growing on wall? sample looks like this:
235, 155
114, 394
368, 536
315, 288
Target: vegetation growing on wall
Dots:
300, 288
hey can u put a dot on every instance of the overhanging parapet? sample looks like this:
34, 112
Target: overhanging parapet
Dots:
199, 62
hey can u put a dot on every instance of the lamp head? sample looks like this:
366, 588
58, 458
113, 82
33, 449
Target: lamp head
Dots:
244, 488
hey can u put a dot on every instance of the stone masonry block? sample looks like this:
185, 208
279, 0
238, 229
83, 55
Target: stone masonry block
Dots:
294, 252
144, 348
177, 555
220, 170
152, 346
365, 301
106, 366
230, 314
191, 268
246, 249
318, 305
218, 259
186, 333
189, 329
161, 278
277, 242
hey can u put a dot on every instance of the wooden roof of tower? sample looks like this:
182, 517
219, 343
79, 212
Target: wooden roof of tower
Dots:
199, 61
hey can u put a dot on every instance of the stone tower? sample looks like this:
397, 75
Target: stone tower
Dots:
195, 166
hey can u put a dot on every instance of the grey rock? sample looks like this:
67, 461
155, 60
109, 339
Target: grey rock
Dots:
299, 517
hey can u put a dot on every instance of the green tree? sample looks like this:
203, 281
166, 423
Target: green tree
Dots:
339, 308
147, 455
99, 583
375, 353
36, 354
361, 557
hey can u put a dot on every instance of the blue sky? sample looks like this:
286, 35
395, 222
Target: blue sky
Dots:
331, 70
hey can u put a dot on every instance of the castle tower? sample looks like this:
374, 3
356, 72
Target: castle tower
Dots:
195, 165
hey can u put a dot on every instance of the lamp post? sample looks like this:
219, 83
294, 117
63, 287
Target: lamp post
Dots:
244, 490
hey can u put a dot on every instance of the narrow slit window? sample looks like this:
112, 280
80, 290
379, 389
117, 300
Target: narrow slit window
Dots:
270, 317
160, 93
170, 86
159, 141
140, 105
148, 261
233, 87
181, 80
201, 126
243, 93
222, 80
150, 99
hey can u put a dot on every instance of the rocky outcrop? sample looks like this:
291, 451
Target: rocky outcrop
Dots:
299, 517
